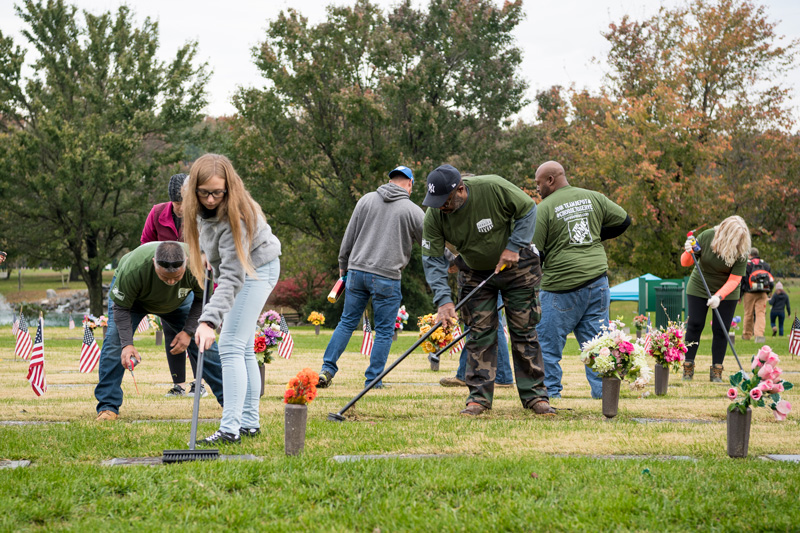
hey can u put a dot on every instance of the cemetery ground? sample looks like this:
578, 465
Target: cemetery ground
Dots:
659, 465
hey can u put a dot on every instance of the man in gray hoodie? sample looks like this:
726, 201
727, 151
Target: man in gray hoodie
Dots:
375, 249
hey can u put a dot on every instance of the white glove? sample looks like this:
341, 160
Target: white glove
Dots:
713, 302
688, 245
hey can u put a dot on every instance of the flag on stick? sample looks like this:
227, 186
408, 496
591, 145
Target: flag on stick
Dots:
794, 337
24, 343
71, 323
368, 340
15, 327
647, 342
144, 325
287, 343
36, 366
457, 347
90, 352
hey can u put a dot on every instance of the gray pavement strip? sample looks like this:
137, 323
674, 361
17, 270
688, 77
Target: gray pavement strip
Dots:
30, 422
153, 461
69, 371
676, 421
14, 464
787, 458
625, 457
71, 385
353, 458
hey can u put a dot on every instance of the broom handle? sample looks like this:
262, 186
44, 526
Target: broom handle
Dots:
198, 379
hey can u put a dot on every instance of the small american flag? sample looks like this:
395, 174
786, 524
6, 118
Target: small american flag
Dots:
15, 327
24, 343
90, 352
144, 325
647, 343
457, 347
368, 340
36, 366
71, 323
287, 343
794, 337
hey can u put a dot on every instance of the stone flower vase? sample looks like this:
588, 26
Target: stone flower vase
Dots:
159, 337
294, 428
262, 369
732, 335
105, 331
316, 329
611, 396
739, 432
662, 379
434, 362
394, 335
638, 334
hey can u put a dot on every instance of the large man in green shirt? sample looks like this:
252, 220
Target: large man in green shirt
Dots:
490, 223
152, 279
571, 224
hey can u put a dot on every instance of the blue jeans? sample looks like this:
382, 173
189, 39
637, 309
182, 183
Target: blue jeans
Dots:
504, 374
581, 311
386, 298
109, 387
240, 375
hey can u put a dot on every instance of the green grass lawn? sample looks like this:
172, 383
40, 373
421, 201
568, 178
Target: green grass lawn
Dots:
507, 470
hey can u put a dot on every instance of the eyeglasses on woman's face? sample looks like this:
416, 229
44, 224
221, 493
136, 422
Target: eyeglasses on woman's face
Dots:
203, 193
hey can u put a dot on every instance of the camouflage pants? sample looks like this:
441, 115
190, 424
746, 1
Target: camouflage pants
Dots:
517, 286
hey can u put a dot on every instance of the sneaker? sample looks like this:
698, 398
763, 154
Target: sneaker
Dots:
106, 416
249, 432
176, 390
452, 382
202, 390
542, 407
220, 437
474, 409
325, 379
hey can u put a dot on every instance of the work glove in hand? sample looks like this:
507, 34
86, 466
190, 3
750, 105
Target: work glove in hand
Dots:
688, 245
713, 302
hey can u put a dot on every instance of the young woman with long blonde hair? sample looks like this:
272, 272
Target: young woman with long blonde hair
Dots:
226, 230
723, 260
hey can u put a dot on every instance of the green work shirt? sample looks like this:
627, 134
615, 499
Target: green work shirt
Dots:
480, 229
138, 288
715, 271
568, 224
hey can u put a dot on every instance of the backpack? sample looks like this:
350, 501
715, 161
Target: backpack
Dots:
760, 281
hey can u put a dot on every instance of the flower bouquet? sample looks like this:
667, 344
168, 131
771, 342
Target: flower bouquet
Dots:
268, 335
94, 322
154, 322
300, 391
316, 318
612, 355
763, 389
640, 322
402, 318
667, 345
438, 339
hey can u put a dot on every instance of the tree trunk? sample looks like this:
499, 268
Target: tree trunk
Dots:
94, 281
75, 274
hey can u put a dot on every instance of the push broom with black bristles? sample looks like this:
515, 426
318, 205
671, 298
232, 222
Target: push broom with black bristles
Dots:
192, 454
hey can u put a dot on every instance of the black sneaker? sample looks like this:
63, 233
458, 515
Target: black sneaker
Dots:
325, 379
220, 437
176, 390
203, 392
249, 432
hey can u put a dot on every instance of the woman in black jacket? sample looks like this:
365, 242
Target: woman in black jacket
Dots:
779, 301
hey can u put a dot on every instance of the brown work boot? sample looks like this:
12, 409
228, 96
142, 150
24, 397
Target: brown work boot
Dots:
474, 409
715, 374
688, 370
106, 415
542, 407
452, 382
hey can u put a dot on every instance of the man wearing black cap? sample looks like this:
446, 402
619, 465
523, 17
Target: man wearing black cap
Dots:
164, 224
375, 249
490, 222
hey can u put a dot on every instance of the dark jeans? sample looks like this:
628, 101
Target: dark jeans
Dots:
781, 316
109, 387
177, 362
697, 315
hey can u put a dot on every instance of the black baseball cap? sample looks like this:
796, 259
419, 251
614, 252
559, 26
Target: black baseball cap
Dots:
441, 182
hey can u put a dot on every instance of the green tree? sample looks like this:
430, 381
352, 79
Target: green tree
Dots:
354, 96
83, 136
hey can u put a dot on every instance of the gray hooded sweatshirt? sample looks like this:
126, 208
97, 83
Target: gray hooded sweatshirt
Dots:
378, 239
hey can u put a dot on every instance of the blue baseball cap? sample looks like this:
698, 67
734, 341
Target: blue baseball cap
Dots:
405, 171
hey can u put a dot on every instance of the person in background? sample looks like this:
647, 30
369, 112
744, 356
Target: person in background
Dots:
754, 297
723, 260
226, 230
780, 306
164, 224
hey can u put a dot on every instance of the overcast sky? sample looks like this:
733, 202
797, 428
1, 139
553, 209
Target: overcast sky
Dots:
558, 39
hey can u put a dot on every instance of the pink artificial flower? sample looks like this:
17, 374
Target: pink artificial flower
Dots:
756, 362
772, 359
777, 388
765, 372
766, 385
755, 394
625, 347
783, 407
679, 334
776, 373
764, 352
604, 352
732, 393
